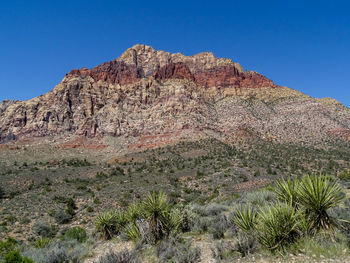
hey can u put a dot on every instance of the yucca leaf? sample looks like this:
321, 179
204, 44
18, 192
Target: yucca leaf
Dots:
316, 195
245, 218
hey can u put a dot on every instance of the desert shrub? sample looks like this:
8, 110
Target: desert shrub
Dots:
41, 242
260, 198
316, 195
124, 256
215, 209
201, 224
245, 218
245, 244
116, 171
6, 246
322, 247
222, 250
342, 215
62, 217
278, 226
44, 229
71, 207
97, 201
75, 162
15, 257
174, 250
344, 175
76, 233
2, 193
212, 209
219, 225
62, 251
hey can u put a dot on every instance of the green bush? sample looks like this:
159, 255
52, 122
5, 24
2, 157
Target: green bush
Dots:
41, 242
222, 250
59, 251
124, 256
345, 175
245, 244
71, 207
219, 225
2, 193
175, 250
44, 229
76, 233
7, 246
15, 257
62, 217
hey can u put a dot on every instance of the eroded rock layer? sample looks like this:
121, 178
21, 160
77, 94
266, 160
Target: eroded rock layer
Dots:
147, 94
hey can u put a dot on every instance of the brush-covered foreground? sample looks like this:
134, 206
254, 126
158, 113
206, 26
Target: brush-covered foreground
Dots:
306, 219
214, 202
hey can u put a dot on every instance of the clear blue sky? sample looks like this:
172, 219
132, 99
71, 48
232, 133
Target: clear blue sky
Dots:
304, 45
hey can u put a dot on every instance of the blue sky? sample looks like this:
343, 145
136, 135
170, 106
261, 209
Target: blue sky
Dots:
304, 45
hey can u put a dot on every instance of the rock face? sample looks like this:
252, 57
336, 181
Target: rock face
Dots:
147, 95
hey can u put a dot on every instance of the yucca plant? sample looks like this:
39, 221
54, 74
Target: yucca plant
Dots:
106, 223
278, 226
316, 195
175, 219
245, 218
156, 209
286, 191
132, 232
122, 219
133, 213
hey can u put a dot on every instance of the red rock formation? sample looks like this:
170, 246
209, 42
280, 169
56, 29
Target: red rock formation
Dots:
222, 76
114, 72
126, 98
173, 71
208, 72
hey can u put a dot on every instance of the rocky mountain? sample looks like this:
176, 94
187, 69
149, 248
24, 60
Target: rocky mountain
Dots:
151, 98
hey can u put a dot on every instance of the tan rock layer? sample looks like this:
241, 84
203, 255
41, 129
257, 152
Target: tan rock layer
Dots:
146, 93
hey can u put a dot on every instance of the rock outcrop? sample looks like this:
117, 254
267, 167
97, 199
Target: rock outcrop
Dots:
147, 93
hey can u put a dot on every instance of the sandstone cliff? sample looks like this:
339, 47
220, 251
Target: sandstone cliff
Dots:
147, 93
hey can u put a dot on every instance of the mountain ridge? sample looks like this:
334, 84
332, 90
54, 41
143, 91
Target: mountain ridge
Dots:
146, 92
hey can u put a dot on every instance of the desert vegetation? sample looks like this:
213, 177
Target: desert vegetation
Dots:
310, 211
188, 202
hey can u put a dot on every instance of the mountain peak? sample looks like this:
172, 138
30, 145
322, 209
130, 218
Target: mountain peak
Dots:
142, 61
146, 92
